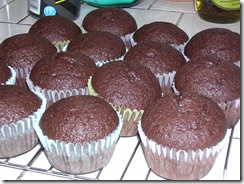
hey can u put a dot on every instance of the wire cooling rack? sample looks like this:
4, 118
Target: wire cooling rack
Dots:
127, 163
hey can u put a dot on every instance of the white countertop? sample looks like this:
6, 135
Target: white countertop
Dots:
128, 162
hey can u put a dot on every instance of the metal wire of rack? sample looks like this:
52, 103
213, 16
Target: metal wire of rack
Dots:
50, 171
134, 150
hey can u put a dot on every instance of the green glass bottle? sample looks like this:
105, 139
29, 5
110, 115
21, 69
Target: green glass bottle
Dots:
218, 11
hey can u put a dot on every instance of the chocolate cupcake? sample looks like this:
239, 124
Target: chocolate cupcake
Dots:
79, 133
61, 75
128, 87
190, 132
162, 59
22, 51
100, 46
114, 20
163, 32
20, 110
220, 42
7, 74
215, 78
58, 29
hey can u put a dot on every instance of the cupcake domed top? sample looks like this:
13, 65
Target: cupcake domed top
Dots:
24, 50
113, 20
17, 103
160, 58
55, 28
210, 76
220, 42
78, 119
163, 32
99, 46
126, 84
63, 71
187, 121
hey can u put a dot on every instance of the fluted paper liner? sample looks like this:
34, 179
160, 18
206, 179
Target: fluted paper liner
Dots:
130, 117
21, 74
82, 157
19, 137
62, 45
126, 40
179, 47
55, 95
166, 82
179, 165
12, 79
232, 111
237, 63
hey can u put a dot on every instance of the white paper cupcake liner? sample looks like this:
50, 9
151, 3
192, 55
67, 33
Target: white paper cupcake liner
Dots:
166, 82
130, 118
179, 47
79, 158
126, 40
21, 74
61, 46
232, 111
174, 88
12, 79
237, 63
19, 137
132, 41
181, 164
55, 95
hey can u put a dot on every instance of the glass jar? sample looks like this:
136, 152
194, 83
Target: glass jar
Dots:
218, 11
